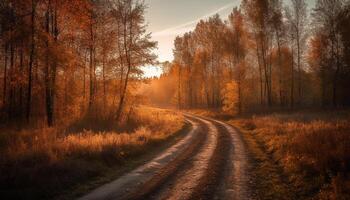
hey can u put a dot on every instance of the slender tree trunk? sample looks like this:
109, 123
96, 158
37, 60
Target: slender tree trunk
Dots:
5, 77
299, 69
21, 95
66, 91
269, 48
51, 67
323, 87
11, 77
179, 88
265, 64
280, 68
47, 67
91, 98
104, 83
31, 60
292, 84
213, 79
122, 98
335, 78
54, 67
239, 97
127, 50
84, 78
260, 75
189, 87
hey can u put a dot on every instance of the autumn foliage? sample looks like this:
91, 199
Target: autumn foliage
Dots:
279, 56
79, 57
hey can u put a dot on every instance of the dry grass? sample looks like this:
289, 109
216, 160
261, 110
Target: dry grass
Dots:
37, 162
313, 149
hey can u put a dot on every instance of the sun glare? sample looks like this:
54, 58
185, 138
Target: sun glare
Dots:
152, 71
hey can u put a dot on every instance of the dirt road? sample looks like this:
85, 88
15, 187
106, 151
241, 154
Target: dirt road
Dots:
209, 163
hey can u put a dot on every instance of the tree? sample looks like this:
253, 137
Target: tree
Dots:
135, 45
326, 19
31, 58
237, 47
278, 28
298, 22
230, 98
258, 14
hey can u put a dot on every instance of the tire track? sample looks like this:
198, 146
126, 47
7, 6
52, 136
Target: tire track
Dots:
184, 182
238, 179
227, 176
210, 185
154, 188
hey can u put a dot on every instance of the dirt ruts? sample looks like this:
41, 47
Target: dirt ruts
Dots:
209, 163
152, 188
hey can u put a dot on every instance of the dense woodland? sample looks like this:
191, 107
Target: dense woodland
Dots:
62, 60
266, 55
83, 58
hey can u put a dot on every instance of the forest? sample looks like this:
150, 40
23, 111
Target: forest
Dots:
78, 57
266, 55
254, 105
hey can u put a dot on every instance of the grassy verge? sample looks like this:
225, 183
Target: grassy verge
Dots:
305, 155
42, 164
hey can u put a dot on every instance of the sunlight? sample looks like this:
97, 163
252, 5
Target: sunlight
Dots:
152, 71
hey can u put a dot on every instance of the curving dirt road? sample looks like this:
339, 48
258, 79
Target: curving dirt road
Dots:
209, 163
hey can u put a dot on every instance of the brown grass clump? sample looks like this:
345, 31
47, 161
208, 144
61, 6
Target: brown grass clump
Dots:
313, 149
40, 163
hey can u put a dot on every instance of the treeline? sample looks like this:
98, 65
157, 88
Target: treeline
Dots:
267, 54
64, 59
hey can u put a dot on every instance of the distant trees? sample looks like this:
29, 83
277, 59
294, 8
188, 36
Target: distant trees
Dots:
237, 44
298, 22
328, 19
198, 59
47, 46
266, 55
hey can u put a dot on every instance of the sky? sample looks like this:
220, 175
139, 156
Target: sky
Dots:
167, 19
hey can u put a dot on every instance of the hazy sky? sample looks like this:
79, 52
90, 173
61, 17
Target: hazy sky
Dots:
168, 18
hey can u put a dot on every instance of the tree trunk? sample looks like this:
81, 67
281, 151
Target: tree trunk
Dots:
84, 78
51, 68
10, 109
47, 67
292, 84
127, 49
280, 68
179, 88
299, 69
239, 97
335, 78
265, 64
91, 97
260, 74
54, 67
21, 93
31, 61
5, 77
189, 86
104, 83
